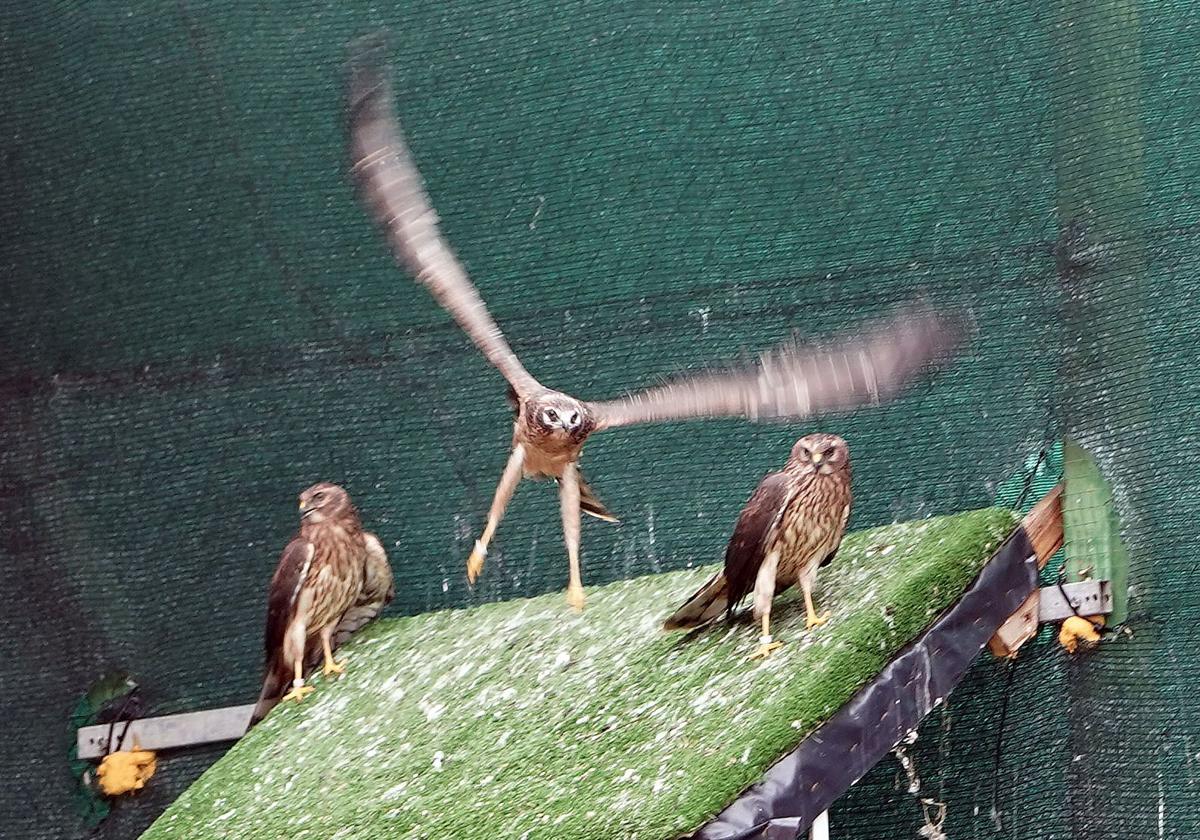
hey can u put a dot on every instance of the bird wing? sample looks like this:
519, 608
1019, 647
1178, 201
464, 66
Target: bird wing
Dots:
392, 189
282, 597
285, 591
757, 522
794, 381
377, 592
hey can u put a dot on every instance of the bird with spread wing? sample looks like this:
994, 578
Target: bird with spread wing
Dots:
791, 526
789, 382
332, 579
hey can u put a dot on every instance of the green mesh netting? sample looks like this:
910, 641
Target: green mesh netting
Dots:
199, 322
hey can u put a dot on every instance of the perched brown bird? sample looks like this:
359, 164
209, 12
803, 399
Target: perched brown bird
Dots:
378, 590
791, 526
789, 382
332, 578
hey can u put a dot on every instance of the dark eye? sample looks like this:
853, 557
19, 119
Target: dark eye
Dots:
829, 453
319, 497
574, 418
551, 415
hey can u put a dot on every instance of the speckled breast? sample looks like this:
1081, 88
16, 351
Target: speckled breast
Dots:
811, 528
336, 576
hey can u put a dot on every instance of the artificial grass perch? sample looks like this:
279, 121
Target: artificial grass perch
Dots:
525, 720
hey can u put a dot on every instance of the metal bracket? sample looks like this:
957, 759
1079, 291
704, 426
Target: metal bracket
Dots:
169, 731
1087, 597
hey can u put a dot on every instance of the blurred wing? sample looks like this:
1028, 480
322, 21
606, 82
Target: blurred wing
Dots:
391, 187
284, 591
757, 521
377, 592
794, 381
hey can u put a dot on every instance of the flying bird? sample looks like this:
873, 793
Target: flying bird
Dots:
332, 578
550, 427
791, 526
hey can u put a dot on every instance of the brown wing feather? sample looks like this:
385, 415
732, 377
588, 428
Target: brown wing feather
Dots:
281, 602
281, 596
377, 592
794, 381
391, 187
757, 521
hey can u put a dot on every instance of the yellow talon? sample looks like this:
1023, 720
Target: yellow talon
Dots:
298, 693
576, 598
475, 562
332, 667
764, 650
815, 620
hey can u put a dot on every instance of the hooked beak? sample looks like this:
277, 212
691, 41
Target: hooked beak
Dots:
817, 457
305, 510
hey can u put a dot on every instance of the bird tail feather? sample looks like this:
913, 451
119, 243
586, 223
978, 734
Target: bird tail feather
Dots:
590, 503
707, 604
273, 689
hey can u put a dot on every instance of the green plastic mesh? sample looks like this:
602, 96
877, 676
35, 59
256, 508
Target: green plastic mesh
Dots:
199, 322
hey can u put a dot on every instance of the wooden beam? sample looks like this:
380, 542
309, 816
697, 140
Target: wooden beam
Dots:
168, 731
1044, 527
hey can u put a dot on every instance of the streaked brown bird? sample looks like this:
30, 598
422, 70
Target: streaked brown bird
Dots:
789, 382
791, 526
332, 578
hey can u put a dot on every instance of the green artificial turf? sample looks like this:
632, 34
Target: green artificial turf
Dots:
525, 720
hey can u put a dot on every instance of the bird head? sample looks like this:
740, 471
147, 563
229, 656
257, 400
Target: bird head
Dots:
323, 502
821, 453
557, 415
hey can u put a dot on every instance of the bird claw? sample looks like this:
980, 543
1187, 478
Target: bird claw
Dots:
765, 650
298, 693
815, 620
576, 598
475, 562
333, 667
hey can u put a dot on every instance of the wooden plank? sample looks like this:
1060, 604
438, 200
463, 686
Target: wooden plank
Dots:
1044, 527
168, 732
1019, 628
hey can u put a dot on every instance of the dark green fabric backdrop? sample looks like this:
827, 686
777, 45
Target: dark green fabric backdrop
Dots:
198, 322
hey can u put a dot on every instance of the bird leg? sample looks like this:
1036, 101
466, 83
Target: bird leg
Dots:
568, 495
764, 594
331, 665
766, 645
812, 620
504, 493
299, 689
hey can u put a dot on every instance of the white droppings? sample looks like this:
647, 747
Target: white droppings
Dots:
432, 711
